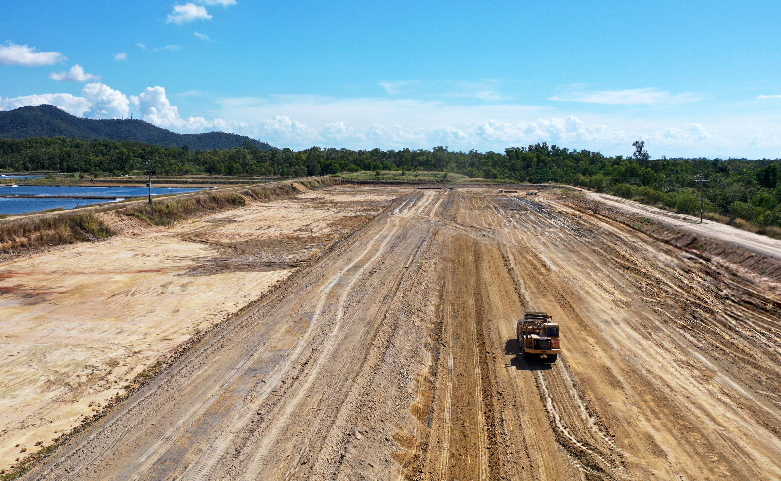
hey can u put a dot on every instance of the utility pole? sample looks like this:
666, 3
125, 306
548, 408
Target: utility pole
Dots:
700, 179
149, 184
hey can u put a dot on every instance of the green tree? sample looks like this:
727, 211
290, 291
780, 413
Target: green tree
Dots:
640, 153
768, 177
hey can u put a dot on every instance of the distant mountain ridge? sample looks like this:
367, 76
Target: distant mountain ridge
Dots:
50, 121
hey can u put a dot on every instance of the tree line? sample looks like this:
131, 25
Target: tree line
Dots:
736, 188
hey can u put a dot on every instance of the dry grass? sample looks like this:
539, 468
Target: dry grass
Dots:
169, 211
54, 229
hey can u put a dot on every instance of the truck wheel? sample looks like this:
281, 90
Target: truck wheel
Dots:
551, 358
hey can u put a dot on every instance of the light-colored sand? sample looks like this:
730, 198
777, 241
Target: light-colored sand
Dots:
79, 322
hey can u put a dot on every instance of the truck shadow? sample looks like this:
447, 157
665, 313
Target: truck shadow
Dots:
511, 348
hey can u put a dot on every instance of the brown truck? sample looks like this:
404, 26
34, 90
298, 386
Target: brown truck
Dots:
538, 337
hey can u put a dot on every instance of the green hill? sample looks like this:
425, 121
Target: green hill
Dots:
49, 121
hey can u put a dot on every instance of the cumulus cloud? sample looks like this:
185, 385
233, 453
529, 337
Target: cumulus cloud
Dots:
12, 54
105, 102
763, 140
338, 131
689, 133
281, 129
366, 123
67, 102
202, 36
646, 96
97, 101
156, 109
189, 12
75, 74
120, 57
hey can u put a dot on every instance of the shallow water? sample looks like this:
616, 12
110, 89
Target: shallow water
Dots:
25, 199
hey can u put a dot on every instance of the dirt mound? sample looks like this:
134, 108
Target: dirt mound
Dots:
700, 245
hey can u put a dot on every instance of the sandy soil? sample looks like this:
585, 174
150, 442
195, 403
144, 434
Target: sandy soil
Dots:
80, 322
722, 232
393, 357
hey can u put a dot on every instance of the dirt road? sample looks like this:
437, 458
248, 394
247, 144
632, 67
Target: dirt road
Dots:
740, 238
393, 357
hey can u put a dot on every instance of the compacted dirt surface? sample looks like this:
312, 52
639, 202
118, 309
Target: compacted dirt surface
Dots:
79, 323
393, 357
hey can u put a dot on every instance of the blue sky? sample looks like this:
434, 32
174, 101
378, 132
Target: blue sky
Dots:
690, 78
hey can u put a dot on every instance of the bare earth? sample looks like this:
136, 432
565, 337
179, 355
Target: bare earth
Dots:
78, 323
393, 356
739, 238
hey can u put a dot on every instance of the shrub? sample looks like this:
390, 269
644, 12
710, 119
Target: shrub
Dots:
687, 202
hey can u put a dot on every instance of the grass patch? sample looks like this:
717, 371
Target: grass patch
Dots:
409, 176
167, 212
65, 228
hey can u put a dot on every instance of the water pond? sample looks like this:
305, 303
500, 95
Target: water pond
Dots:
25, 199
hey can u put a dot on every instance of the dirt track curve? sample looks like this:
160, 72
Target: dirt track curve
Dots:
393, 358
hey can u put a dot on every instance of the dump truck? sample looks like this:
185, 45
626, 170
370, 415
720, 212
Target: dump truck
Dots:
538, 337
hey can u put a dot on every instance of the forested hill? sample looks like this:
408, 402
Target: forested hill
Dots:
49, 121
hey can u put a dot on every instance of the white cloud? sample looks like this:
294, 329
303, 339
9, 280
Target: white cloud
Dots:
338, 131
202, 36
192, 93
396, 136
484, 90
365, 123
761, 140
646, 96
396, 87
75, 74
67, 102
691, 133
105, 102
224, 3
169, 48
141, 46
189, 12
99, 101
281, 130
120, 57
766, 97
12, 54
156, 109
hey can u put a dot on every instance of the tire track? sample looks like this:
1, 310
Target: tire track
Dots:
256, 464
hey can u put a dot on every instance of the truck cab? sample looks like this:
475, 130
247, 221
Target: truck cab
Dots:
538, 337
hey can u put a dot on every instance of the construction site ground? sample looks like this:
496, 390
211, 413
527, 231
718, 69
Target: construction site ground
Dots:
368, 333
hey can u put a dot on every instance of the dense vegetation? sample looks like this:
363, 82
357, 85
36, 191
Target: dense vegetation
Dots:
736, 188
49, 121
